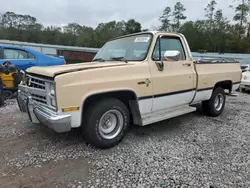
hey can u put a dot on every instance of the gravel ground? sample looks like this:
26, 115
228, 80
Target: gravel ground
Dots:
188, 151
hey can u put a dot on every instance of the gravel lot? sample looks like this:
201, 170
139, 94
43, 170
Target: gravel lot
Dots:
188, 151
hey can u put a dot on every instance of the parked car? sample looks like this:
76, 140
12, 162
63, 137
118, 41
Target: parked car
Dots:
146, 77
24, 58
244, 64
245, 81
244, 67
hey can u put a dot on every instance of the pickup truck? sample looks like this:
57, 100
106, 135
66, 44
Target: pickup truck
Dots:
24, 58
139, 79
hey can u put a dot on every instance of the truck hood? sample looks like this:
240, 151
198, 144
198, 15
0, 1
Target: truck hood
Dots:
52, 71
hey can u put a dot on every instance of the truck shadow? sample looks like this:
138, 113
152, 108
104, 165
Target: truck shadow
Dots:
173, 126
170, 126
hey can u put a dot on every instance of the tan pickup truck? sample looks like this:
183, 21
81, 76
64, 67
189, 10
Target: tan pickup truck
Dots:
139, 79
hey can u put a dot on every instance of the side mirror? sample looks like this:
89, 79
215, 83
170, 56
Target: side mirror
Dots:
172, 55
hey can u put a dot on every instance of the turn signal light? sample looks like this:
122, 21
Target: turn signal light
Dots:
70, 109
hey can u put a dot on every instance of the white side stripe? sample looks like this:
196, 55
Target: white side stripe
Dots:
202, 95
145, 106
170, 101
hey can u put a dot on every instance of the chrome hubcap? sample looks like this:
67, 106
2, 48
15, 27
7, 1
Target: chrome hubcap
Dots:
218, 102
111, 124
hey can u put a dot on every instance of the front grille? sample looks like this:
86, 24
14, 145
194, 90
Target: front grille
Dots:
36, 83
39, 98
39, 90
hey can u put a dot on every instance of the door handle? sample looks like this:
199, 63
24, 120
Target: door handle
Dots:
147, 82
186, 64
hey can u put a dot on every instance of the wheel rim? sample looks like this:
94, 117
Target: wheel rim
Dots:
218, 102
111, 124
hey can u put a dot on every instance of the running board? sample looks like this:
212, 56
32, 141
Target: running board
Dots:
166, 114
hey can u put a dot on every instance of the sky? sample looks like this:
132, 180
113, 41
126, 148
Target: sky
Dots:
92, 12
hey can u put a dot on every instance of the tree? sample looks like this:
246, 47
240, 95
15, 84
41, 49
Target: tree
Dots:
166, 19
220, 30
178, 15
132, 26
242, 11
210, 10
213, 34
241, 15
86, 37
195, 32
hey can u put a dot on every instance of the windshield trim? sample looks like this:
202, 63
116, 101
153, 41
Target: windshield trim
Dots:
131, 35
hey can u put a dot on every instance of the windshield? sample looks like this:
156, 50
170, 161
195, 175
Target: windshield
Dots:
132, 48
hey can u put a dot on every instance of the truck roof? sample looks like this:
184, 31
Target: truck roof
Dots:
146, 32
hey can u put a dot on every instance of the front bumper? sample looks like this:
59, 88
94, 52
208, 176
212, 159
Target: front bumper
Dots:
41, 114
245, 85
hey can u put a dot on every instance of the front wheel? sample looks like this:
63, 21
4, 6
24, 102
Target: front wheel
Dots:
215, 105
105, 123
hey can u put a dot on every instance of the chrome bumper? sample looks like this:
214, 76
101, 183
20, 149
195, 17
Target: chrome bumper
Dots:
245, 85
41, 114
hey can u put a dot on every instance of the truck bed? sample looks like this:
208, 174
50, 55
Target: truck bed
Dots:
211, 71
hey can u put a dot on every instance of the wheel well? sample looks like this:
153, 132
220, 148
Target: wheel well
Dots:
225, 85
128, 97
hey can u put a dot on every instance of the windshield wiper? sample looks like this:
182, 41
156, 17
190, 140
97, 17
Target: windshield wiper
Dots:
119, 59
98, 59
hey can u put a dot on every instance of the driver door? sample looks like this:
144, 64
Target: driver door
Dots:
174, 85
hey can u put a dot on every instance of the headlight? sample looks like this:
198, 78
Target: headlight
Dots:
52, 89
245, 77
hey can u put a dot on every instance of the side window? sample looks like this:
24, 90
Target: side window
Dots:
168, 43
30, 56
16, 54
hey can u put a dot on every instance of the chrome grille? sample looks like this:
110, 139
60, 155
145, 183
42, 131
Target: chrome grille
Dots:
39, 98
36, 83
39, 90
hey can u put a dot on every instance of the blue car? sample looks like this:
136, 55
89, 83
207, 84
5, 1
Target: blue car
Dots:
24, 58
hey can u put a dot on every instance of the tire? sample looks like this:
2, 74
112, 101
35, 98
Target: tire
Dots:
115, 114
7, 94
215, 105
1, 101
243, 90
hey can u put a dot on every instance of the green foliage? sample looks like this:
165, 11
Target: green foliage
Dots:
214, 33
210, 10
166, 19
25, 28
178, 16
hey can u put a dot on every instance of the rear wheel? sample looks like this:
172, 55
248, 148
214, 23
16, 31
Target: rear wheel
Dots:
215, 105
106, 123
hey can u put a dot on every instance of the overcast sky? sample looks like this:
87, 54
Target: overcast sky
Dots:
92, 12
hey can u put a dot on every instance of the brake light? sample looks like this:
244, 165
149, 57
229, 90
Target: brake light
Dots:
64, 62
